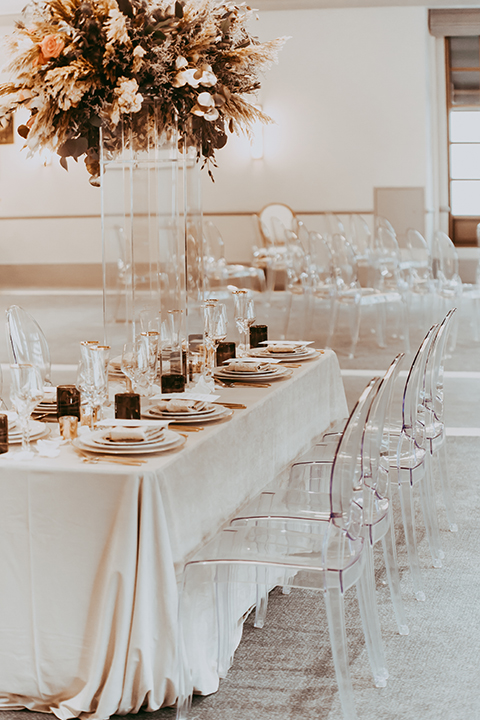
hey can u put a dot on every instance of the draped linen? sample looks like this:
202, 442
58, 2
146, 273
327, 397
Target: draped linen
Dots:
90, 555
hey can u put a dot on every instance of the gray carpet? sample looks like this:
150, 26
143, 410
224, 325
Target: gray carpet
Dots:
285, 670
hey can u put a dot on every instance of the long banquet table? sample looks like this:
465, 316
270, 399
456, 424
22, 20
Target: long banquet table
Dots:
90, 555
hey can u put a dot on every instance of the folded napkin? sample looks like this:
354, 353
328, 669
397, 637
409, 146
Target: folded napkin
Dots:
126, 434
49, 448
176, 406
281, 349
240, 366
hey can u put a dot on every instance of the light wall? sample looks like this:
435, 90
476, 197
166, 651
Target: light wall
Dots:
350, 98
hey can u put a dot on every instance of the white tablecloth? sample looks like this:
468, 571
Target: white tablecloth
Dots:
90, 554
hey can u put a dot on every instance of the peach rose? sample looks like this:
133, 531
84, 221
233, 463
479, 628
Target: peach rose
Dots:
51, 46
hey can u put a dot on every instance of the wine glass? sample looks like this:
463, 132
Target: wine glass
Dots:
25, 393
146, 348
244, 316
129, 364
92, 377
215, 316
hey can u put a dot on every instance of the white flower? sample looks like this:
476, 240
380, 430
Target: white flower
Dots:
208, 78
139, 52
185, 77
205, 100
181, 62
129, 101
205, 107
194, 76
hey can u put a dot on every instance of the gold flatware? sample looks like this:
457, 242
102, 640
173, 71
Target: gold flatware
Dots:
290, 365
241, 384
94, 459
185, 428
231, 406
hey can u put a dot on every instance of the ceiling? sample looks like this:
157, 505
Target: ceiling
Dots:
13, 7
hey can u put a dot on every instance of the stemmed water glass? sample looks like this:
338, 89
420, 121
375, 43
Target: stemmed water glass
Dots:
25, 393
92, 377
215, 317
244, 316
140, 362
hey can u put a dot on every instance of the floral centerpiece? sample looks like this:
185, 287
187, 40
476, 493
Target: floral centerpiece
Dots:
82, 65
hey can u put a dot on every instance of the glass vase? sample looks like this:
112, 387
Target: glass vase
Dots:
150, 202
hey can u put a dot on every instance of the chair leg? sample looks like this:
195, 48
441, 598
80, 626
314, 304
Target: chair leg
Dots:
393, 578
446, 489
262, 597
405, 491
354, 329
427, 499
381, 312
371, 625
338, 641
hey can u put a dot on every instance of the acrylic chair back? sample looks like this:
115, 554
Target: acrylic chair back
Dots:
320, 260
27, 342
361, 236
344, 263
381, 221
340, 478
445, 258
376, 440
433, 387
412, 425
272, 218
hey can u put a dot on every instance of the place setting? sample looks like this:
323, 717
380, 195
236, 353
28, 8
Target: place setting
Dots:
130, 438
46, 409
248, 370
184, 411
286, 350
37, 430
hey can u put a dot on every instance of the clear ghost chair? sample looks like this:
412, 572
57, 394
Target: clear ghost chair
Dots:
381, 221
218, 272
322, 288
302, 501
351, 295
272, 217
27, 342
448, 284
362, 242
409, 458
418, 263
433, 401
329, 556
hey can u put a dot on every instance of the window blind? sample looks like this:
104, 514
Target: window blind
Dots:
454, 22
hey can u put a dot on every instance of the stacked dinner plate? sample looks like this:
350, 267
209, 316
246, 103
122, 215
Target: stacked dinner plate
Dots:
187, 412
260, 372
47, 407
37, 430
115, 369
285, 350
112, 442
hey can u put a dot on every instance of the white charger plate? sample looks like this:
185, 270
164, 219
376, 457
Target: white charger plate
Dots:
97, 439
37, 430
307, 354
173, 441
277, 374
220, 413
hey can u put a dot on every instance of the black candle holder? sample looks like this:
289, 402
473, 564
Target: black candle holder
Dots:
225, 351
173, 382
258, 334
3, 434
127, 406
68, 401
